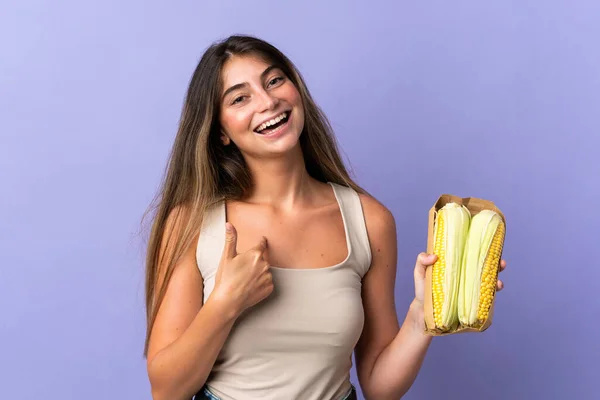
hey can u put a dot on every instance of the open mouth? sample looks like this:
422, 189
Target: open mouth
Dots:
273, 124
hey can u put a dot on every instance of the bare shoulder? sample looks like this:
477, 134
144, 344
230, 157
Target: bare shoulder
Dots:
379, 219
175, 219
381, 232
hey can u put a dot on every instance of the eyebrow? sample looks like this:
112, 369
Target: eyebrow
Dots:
241, 85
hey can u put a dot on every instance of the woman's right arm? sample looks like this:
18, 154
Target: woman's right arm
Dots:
187, 335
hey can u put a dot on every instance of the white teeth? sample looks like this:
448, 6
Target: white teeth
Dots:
271, 122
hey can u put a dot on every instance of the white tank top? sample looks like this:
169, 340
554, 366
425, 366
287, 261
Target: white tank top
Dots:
298, 342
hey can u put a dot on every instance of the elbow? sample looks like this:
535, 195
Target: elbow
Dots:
164, 393
158, 387
157, 390
157, 394
384, 394
166, 387
381, 391
160, 392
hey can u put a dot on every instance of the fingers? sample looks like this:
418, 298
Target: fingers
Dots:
229, 251
259, 249
425, 259
266, 283
267, 290
499, 283
502, 265
266, 278
266, 268
262, 245
230, 248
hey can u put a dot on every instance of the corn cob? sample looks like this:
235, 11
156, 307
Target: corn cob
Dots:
450, 230
479, 271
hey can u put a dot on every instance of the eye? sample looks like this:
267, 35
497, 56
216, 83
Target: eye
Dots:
238, 99
275, 80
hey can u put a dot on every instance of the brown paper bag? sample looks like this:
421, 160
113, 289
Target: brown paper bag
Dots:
474, 205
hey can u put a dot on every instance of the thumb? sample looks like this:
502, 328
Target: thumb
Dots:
423, 261
229, 251
426, 259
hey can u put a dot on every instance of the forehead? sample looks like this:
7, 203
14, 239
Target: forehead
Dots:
239, 69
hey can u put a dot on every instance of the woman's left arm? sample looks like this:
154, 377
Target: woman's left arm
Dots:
388, 356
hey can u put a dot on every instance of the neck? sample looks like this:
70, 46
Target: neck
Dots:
281, 182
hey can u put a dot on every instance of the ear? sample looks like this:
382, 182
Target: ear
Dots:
225, 139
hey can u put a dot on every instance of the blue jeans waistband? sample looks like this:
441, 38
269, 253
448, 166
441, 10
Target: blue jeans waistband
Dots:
206, 394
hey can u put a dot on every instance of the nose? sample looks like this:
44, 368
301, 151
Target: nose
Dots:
266, 101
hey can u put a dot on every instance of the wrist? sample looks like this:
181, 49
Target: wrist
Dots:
225, 303
416, 313
416, 303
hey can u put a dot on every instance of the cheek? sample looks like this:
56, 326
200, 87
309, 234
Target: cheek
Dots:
296, 100
236, 122
294, 96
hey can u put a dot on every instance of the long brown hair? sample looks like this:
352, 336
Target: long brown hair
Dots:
201, 171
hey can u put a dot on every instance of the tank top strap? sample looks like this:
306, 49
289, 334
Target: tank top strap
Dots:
356, 228
211, 242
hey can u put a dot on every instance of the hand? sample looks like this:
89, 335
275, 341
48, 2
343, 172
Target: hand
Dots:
242, 280
499, 283
424, 261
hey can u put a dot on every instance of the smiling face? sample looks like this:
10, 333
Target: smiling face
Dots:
261, 109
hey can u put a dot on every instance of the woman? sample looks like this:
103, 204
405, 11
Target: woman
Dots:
267, 265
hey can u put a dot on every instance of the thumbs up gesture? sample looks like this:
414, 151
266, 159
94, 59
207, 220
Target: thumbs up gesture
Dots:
243, 280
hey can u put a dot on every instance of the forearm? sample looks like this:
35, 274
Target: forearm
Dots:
397, 366
179, 370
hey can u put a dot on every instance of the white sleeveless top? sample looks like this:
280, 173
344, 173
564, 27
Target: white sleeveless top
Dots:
298, 342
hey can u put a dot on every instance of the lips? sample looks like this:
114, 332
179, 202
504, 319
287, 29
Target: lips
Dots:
272, 123
276, 131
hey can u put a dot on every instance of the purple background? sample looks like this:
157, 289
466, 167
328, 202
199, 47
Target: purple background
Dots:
499, 100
